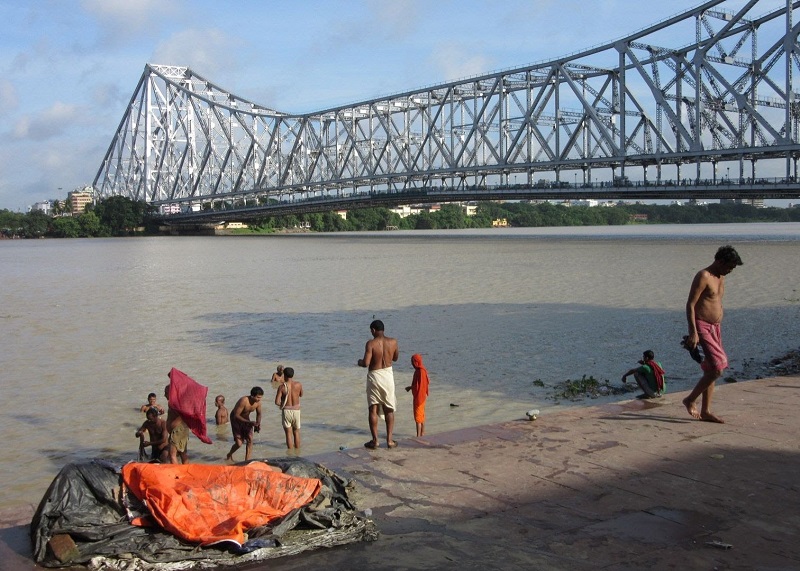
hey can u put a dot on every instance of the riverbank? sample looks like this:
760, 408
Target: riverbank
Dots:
629, 485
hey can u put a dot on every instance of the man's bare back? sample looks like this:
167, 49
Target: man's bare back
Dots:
380, 352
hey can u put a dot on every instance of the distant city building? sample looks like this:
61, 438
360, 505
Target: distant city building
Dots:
44, 206
639, 217
469, 209
342, 214
78, 201
404, 210
230, 226
173, 208
757, 202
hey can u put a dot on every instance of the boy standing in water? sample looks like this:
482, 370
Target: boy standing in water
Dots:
288, 398
241, 425
221, 416
151, 403
156, 430
419, 390
178, 433
277, 377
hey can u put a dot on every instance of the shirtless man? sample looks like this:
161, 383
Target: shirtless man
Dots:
288, 399
379, 353
178, 434
221, 416
277, 377
242, 426
156, 430
151, 402
704, 316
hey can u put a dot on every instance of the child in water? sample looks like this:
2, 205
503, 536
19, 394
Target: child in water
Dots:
222, 413
151, 403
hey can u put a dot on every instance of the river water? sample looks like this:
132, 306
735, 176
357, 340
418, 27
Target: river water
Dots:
89, 327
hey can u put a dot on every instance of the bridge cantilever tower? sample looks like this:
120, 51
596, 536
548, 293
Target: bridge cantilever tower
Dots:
721, 100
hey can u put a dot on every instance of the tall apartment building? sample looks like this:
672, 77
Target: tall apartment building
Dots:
78, 202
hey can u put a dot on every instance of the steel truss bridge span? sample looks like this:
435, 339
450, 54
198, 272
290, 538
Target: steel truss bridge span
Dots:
714, 114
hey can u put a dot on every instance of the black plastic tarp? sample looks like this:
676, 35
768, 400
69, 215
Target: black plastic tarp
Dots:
88, 502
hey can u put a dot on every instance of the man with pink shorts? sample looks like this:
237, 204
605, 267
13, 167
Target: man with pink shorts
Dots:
704, 316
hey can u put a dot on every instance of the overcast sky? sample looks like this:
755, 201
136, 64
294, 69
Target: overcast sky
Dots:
68, 68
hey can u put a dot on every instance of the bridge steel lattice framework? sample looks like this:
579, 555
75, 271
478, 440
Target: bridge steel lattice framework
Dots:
677, 119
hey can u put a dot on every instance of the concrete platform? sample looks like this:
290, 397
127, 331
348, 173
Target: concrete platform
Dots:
634, 485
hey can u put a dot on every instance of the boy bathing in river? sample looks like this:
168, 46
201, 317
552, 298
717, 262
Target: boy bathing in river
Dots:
151, 403
288, 398
156, 430
221, 417
241, 425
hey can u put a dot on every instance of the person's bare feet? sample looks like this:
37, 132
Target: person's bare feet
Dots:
710, 417
691, 408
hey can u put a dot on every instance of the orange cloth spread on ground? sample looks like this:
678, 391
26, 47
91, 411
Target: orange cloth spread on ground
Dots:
419, 387
188, 398
205, 504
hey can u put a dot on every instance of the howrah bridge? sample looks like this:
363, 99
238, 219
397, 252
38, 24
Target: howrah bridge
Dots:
712, 114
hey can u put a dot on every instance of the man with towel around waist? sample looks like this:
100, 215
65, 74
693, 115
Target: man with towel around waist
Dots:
704, 315
379, 354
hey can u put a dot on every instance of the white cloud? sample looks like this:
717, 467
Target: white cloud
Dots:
127, 14
123, 20
210, 53
47, 124
451, 60
396, 19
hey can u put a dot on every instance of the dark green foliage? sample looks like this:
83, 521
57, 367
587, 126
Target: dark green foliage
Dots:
120, 215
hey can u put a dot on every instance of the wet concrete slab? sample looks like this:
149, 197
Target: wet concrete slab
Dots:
630, 485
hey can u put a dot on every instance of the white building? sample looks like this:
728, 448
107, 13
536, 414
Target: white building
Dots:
44, 206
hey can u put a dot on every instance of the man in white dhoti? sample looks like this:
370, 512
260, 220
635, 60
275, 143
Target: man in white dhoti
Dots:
379, 354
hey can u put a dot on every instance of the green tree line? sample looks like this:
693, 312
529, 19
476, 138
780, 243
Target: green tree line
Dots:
114, 216
118, 216
523, 214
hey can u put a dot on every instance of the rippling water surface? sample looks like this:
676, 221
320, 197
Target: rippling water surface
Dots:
89, 327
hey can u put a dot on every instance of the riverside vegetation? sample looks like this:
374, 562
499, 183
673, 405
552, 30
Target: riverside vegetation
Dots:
120, 216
